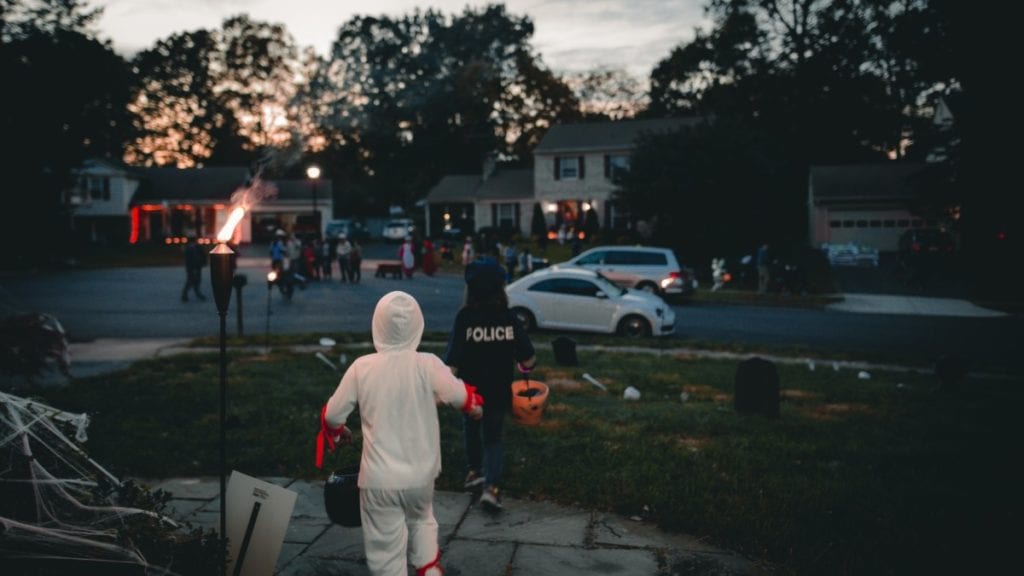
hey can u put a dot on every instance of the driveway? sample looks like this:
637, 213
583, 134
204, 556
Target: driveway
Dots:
947, 280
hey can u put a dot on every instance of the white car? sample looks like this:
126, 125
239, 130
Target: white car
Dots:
396, 230
584, 300
647, 268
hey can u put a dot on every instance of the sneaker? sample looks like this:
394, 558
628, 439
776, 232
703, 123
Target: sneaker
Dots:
490, 499
473, 479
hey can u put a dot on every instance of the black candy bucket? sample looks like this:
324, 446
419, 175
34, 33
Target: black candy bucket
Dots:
341, 497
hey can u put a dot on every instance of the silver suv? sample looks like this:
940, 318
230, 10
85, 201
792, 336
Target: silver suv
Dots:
647, 268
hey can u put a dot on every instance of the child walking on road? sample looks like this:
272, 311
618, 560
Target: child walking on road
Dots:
397, 390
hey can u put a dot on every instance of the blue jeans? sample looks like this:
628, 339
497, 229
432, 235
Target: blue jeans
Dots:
484, 448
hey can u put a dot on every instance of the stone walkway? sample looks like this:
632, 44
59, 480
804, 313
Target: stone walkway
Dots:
526, 539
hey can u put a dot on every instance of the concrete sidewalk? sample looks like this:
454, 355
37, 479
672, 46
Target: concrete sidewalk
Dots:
912, 305
526, 538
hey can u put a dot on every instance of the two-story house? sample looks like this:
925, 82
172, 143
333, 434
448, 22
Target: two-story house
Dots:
114, 203
575, 169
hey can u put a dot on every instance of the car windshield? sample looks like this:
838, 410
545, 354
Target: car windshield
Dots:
608, 286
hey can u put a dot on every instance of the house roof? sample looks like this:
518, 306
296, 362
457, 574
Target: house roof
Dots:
605, 135
216, 184
507, 184
502, 185
454, 188
302, 190
892, 180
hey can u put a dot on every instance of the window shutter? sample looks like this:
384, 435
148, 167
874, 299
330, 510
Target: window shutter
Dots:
581, 167
518, 207
558, 170
106, 188
494, 215
607, 166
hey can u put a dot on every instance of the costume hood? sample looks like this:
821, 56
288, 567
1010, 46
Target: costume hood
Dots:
397, 322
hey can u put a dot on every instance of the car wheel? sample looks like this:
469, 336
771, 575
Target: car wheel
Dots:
525, 318
648, 287
634, 326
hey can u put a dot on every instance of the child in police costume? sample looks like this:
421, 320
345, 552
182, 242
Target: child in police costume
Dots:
485, 343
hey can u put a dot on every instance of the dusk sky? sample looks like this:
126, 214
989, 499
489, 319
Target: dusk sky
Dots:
570, 35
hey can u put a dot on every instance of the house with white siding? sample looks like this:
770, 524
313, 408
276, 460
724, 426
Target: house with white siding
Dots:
575, 169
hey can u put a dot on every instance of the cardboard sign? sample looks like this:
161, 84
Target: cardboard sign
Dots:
257, 518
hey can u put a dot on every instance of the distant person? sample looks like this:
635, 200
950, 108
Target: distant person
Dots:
484, 344
407, 255
309, 267
355, 262
525, 262
328, 250
277, 252
195, 260
511, 262
293, 249
344, 258
764, 271
397, 390
576, 243
468, 252
429, 259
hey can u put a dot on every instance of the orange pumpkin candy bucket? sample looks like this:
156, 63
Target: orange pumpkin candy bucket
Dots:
528, 399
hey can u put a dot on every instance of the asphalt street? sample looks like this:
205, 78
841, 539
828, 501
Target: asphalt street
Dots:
145, 303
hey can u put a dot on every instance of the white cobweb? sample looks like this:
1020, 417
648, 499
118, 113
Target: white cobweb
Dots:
53, 511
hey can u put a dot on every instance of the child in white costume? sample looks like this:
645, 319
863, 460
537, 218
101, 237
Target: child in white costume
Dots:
397, 390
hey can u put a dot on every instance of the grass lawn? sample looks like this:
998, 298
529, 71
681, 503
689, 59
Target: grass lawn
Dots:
878, 476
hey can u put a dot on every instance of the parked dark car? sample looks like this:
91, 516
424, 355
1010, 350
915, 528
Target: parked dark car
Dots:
925, 241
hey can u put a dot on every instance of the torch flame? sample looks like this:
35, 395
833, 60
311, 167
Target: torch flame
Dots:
228, 230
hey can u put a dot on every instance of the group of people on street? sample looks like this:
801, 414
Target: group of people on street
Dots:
397, 390
314, 258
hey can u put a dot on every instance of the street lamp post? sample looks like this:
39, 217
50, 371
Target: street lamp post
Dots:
313, 173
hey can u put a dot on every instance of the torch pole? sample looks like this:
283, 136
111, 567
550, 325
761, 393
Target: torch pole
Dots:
220, 277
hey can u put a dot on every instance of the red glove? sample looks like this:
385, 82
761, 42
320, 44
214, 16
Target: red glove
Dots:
330, 437
474, 405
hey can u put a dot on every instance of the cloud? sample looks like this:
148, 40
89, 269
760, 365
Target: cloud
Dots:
571, 35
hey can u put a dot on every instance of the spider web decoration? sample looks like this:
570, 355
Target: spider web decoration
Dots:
57, 508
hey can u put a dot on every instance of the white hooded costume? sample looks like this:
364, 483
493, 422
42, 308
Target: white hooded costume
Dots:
397, 391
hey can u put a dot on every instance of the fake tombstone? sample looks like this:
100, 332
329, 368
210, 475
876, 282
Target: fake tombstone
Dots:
757, 388
565, 351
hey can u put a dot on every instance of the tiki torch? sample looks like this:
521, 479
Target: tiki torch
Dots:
220, 276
